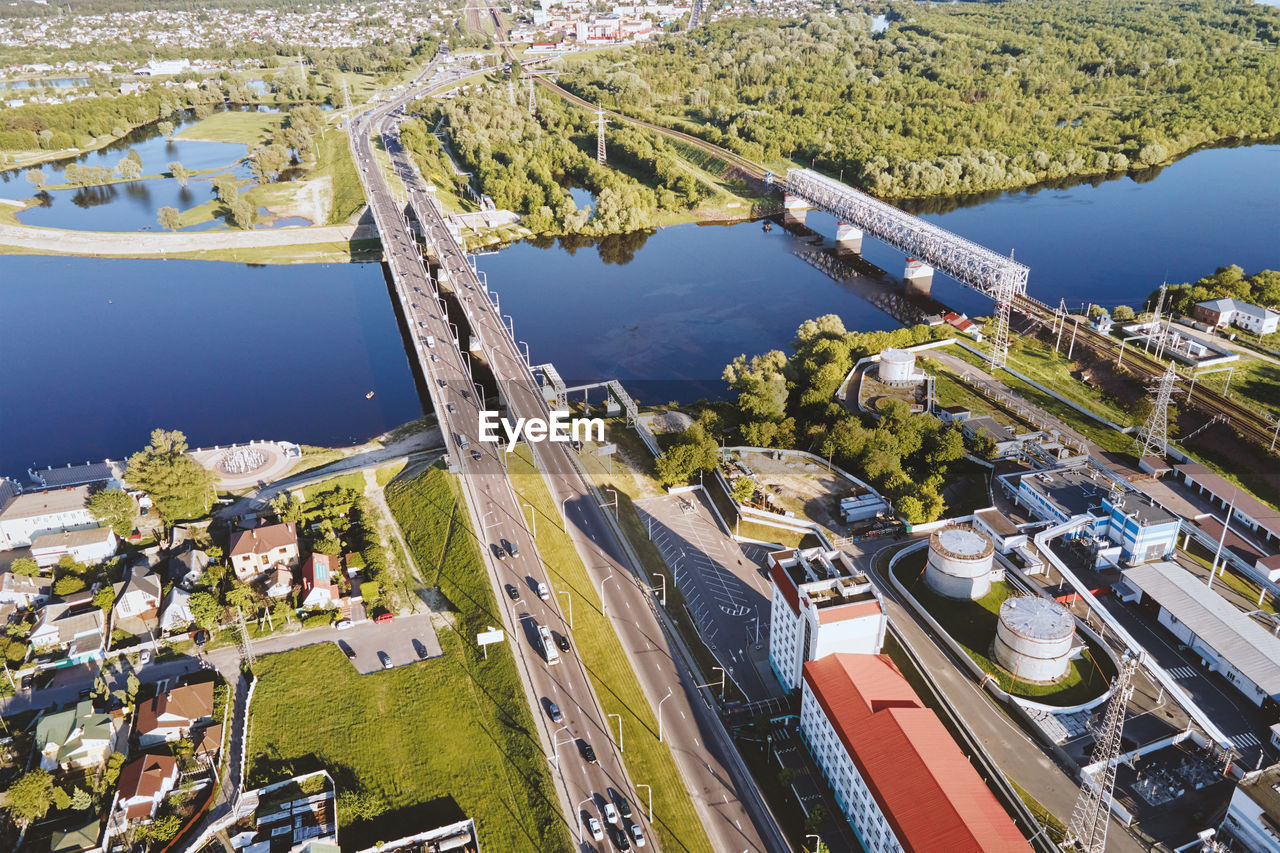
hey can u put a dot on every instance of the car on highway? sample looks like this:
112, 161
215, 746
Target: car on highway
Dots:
476, 455
461, 440
636, 835
511, 548
450, 408
385, 659
593, 826
497, 551
543, 592
624, 808
553, 711
466, 395
588, 754
435, 357
610, 813
619, 838
562, 642
513, 592
442, 383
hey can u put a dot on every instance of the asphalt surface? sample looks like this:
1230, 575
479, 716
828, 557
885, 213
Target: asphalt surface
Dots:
697, 740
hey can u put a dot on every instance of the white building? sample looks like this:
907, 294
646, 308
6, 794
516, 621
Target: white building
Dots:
24, 591
1233, 312
89, 545
898, 776
820, 605
1253, 816
33, 513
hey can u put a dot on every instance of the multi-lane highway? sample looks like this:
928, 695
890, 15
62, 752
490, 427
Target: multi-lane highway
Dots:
712, 774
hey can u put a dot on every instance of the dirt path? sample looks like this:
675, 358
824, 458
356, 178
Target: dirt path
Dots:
135, 244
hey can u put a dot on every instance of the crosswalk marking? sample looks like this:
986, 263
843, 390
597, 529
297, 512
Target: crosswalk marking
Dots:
1181, 672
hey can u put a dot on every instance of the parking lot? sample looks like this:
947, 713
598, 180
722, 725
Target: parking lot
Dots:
722, 582
407, 639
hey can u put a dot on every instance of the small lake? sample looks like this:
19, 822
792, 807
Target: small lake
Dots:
99, 352
54, 83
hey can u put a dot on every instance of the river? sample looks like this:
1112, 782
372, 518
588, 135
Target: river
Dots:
230, 352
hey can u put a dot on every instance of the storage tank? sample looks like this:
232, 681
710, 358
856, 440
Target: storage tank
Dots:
1034, 638
896, 367
959, 563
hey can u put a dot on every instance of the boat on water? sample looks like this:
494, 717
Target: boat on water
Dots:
369, 396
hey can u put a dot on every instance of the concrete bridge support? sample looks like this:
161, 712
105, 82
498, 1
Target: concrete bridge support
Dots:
848, 238
919, 276
794, 209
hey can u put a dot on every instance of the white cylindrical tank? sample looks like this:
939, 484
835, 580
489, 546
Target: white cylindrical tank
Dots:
896, 366
1034, 637
959, 563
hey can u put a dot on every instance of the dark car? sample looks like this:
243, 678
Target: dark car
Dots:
588, 754
202, 637
498, 551
385, 659
562, 642
513, 592
510, 548
420, 649
347, 650
553, 711
465, 393
619, 838
476, 455
624, 808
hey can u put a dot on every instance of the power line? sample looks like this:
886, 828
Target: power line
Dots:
1155, 431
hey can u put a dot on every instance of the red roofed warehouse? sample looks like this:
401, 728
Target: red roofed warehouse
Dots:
903, 783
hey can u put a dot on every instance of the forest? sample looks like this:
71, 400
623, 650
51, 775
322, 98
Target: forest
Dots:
1262, 288
526, 163
961, 98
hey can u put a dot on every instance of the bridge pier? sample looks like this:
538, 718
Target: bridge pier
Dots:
794, 209
848, 238
919, 276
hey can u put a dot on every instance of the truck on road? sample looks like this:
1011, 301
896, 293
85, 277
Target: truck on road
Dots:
548, 647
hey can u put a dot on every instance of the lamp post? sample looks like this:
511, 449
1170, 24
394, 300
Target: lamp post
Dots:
564, 511
619, 716
663, 593
581, 810
615, 501
722, 678
660, 701
604, 605
533, 520
817, 847
650, 790
566, 592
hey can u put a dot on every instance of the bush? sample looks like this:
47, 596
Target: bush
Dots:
316, 620
68, 585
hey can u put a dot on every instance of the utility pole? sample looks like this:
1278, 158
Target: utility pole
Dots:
1155, 321
1155, 432
1000, 342
246, 653
1059, 319
1088, 828
600, 135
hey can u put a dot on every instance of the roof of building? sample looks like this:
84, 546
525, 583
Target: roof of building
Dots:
76, 838
51, 502
8, 489
176, 609
1227, 304
144, 776
997, 521
1145, 510
147, 584
24, 585
1073, 490
72, 617
207, 740
178, 707
77, 475
1264, 789
69, 727
190, 562
263, 539
990, 427
924, 785
1245, 503
1245, 644
319, 571
71, 538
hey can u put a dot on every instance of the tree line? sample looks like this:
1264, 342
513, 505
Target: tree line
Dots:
967, 97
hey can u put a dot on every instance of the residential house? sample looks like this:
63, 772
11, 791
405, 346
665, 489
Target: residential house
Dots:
172, 715
75, 736
74, 625
77, 839
207, 741
1233, 312
139, 596
90, 545
30, 514
144, 783
255, 551
23, 591
281, 582
187, 567
319, 581
176, 613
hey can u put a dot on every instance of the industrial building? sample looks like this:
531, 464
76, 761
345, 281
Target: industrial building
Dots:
1246, 510
861, 504
1126, 527
820, 605
1253, 815
900, 779
961, 563
1034, 638
1225, 639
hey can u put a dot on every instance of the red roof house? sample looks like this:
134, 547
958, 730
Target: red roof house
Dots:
320, 581
144, 783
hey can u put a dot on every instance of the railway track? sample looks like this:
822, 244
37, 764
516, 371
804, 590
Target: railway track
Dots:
1246, 422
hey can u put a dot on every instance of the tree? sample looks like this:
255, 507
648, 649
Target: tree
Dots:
178, 171
30, 797
287, 507
178, 486
244, 597
113, 508
166, 128
105, 598
25, 566
695, 452
170, 218
68, 585
1122, 314
205, 609
330, 545
35, 177
81, 800
743, 490
242, 212
165, 828
129, 169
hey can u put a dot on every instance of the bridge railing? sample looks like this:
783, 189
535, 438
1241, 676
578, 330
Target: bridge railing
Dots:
963, 260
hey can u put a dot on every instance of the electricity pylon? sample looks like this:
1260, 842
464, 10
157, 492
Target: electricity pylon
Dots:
1155, 432
1088, 828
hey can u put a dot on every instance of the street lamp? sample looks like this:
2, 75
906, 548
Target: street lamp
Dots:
615, 501
660, 701
663, 592
555, 744
619, 716
650, 790
533, 520
581, 810
564, 511
604, 605
566, 592
817, 847
722, 678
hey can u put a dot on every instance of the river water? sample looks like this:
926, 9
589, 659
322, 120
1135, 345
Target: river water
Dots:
97, 352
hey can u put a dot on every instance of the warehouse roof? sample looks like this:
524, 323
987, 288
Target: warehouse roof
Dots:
921, 781
1239, 640
1245, 504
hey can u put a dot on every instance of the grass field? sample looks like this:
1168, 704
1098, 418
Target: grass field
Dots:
252, 129
648, 760
420, 741
972, 624
335, 161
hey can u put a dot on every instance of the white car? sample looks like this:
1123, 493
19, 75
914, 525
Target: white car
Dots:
636, 835
594, 826
610, 813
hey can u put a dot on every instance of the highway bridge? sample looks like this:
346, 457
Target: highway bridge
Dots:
730, 807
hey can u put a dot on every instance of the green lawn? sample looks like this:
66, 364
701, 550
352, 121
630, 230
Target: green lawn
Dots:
648, 761
335, 162
972, 624
252, 129
416, 742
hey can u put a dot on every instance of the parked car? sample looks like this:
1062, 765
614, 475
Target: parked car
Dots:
201, 637
593, 826
636, 835
347, 650
344, 624
384, 618
144, 658
610, 813
385, 659
420, 648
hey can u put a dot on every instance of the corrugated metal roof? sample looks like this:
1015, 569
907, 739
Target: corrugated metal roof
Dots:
1248, 646
922, 782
